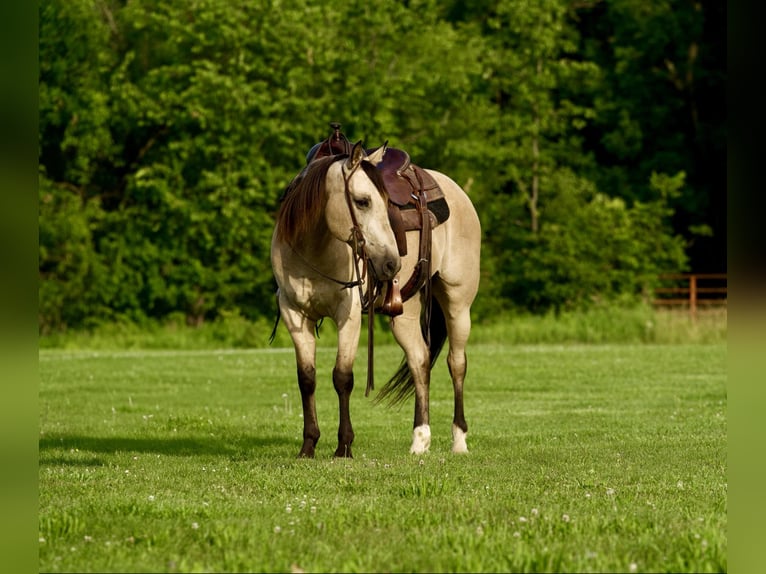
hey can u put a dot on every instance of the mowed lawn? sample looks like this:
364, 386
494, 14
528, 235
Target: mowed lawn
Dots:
582, 458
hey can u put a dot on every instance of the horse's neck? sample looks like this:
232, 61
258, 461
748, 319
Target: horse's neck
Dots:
324, 253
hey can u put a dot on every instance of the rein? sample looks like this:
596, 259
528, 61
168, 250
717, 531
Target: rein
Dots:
344, 284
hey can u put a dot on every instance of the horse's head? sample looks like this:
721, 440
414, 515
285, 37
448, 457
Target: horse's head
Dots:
357, 211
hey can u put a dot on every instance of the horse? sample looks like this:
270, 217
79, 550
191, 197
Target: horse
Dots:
332, 229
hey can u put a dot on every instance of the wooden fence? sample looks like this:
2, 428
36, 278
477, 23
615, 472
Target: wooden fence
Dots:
692, 291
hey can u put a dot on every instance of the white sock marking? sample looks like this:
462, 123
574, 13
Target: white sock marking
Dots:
421, 439
458, 440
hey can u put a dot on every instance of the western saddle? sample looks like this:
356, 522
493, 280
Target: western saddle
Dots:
416, 203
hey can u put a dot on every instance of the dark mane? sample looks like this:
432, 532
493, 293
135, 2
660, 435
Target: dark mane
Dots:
303, 201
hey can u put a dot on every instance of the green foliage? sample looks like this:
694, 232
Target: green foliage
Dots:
168, 131
590, 248
660, 107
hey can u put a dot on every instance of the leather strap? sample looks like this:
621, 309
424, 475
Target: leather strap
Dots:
422, 272
370, 359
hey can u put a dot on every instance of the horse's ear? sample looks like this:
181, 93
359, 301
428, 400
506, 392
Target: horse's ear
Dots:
357, 154
377, 154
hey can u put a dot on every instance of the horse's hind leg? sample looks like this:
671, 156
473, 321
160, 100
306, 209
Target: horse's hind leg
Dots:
455, 299
301, 332
458, 328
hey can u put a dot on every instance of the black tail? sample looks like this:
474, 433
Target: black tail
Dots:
401, 386
276, 321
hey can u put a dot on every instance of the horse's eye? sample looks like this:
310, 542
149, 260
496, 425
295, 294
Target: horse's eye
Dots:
362, 203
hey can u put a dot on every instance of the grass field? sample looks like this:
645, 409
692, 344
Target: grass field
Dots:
599, 325
584, 458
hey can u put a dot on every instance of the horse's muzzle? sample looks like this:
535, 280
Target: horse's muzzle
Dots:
386, 269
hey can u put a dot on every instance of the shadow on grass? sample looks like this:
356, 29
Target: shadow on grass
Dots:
50, 447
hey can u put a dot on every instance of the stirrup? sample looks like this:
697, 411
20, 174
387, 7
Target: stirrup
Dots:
393, 305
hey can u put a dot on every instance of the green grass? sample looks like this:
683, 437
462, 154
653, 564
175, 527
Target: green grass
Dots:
583, 458
601, 324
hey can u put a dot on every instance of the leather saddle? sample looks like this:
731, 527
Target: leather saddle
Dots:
416, 203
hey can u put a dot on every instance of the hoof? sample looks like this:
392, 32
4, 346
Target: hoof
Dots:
458, 440
343, 452
421, 439
307, 450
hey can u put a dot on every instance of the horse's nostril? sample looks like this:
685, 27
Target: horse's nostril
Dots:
391, 267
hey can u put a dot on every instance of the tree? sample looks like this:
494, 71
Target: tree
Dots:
205, 112
168, 131
661, 108
75, 59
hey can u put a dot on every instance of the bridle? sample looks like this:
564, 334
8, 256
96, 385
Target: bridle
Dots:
358, 244
360, 254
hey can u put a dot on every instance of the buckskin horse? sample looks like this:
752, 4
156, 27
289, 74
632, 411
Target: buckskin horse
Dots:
368, 231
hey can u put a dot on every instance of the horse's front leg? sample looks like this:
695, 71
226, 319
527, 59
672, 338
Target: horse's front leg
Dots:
343, 380
421, 431
302, 333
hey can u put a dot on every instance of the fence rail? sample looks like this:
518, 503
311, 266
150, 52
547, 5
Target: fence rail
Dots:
694, 291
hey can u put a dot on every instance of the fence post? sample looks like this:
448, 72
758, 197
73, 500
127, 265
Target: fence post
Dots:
693, 296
